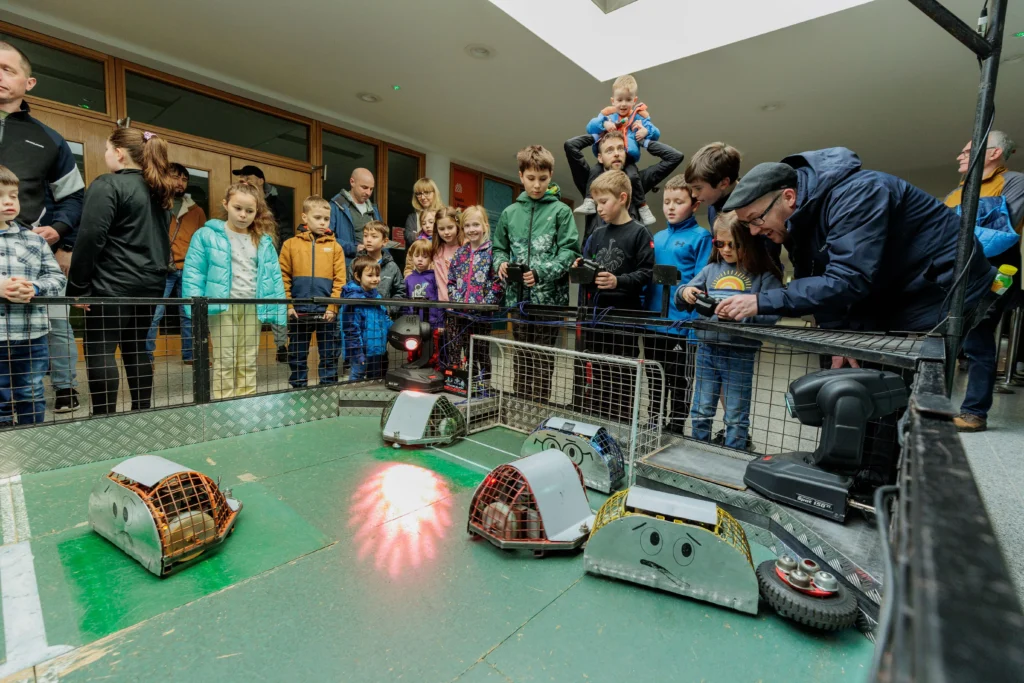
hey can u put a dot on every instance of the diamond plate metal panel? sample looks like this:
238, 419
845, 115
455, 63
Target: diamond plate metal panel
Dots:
48, 447
258, 413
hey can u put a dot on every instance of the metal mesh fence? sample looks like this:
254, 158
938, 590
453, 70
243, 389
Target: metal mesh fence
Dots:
531, 382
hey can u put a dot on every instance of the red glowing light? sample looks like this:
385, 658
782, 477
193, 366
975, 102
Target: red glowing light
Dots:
401, 510
412, 343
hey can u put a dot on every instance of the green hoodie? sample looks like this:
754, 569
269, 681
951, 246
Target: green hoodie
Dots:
540, 233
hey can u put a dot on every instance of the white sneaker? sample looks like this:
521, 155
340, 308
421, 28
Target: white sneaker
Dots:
646, 217
588, 207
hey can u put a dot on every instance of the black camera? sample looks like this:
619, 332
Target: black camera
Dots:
706, 304
514, 272
586, 272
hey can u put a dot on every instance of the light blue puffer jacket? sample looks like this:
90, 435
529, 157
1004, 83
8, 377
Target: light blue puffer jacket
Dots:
208, 272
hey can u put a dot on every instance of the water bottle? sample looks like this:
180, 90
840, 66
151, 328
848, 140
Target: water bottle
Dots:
1004, 278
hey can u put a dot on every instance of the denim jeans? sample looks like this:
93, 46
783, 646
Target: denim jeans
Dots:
300, 333
367, 367
22, 367
63, 350
726, 371
171, 289
982, 355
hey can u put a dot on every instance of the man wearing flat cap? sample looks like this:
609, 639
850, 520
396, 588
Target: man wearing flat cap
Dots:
870, 251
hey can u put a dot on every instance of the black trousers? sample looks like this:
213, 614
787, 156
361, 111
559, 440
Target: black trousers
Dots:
107, 327
533, 370
677, 359
607, 389
458, 330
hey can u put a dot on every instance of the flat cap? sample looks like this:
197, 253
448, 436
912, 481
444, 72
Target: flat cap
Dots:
761, 180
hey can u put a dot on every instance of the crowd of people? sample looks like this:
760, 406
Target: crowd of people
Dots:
869, 251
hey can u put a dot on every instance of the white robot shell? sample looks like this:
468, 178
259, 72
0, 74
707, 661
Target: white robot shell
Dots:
590, 447
160, 513
416, 418
676, 544
536, 503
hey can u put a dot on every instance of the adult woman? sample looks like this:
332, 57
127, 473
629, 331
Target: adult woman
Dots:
425, 197
123, 250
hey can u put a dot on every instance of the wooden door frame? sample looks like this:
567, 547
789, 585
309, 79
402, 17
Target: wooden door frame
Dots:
421, 170
110, 101
122, 68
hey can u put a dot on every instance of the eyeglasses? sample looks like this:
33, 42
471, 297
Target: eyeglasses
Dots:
722, 244
967, 152
759, 221
425, 194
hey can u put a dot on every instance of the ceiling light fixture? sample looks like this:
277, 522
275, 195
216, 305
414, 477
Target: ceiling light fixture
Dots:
368, 97
479, 51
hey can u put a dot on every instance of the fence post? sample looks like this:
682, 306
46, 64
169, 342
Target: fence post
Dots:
200, 350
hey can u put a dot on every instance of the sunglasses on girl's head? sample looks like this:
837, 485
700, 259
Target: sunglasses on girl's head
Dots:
722, 244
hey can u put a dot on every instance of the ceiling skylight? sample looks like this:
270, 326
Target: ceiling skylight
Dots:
647, 33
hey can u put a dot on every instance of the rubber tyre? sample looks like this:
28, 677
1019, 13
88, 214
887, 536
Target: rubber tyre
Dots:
824, 614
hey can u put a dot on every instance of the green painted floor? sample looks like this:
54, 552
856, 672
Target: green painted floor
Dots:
351, 563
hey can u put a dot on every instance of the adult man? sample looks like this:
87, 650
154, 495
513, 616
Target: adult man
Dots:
612, 156
253, 175
51, 192
186, 218
980, 345
870, 251
352, 209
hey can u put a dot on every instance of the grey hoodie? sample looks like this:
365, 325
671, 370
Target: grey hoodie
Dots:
722, 280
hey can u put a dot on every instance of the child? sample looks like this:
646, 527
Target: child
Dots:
725, 364
426, 234
448, 237
471, 280
392, 284
712, 174
427, 225
685, 245
625, 252
538, 233
365, 325
421, 283
312, 265
236, 259
31, 270
630, 120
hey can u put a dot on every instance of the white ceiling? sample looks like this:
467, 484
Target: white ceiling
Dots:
880, 78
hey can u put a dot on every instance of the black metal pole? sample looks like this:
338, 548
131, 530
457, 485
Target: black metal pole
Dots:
200, 350
955, 331
956, 28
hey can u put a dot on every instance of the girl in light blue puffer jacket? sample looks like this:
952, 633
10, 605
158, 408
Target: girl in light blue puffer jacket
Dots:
236, 259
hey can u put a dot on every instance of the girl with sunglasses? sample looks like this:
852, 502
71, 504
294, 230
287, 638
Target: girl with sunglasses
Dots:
738, 264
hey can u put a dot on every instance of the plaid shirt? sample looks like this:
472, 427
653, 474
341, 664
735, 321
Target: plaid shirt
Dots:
27, 255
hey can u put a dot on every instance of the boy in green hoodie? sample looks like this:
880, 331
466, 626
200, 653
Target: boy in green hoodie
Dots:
538, 233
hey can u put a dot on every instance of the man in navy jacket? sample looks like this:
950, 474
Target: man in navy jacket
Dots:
51, 191
870, 251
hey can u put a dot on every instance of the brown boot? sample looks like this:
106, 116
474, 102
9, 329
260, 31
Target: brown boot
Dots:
966, 422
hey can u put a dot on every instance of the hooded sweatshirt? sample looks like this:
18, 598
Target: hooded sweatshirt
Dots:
423, 286
870, 251
540, 234
686, 246
722, 280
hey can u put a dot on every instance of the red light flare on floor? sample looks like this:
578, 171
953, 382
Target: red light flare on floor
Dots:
401, 511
